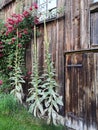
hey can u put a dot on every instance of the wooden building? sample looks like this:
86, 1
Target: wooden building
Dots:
73, 38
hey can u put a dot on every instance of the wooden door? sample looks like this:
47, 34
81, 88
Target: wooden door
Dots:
81, 90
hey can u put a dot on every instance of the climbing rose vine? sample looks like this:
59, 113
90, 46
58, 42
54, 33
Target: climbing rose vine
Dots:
15, 35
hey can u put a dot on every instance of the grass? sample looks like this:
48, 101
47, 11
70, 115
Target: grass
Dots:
15, 123
14, 117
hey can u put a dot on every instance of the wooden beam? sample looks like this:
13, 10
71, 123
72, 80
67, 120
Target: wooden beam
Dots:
81, 51
94, 7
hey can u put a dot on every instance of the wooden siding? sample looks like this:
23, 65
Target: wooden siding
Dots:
3, 3
77, 24
14, 6
80, 68
78, 79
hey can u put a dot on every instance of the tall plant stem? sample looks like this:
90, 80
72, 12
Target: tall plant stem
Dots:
16, 59
35, 45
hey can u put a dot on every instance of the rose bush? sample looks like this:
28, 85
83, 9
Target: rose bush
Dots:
15, 35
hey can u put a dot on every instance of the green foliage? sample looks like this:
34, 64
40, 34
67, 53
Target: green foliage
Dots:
13, 44
8, 104
5, 87
1, 25
16, 77
61, 10
21, 120
14, 116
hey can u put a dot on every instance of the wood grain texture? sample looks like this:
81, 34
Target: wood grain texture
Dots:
77, 24
4, 3
81, 79
77, 70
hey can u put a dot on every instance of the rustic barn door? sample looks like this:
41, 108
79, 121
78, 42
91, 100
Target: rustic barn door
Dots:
81, 90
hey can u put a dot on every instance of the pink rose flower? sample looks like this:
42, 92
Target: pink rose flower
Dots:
35, 5
1, 42
29, 73
19, 45
36, 20
25, 13
1, 55
30, 8
20, 35
1, 82
25, 31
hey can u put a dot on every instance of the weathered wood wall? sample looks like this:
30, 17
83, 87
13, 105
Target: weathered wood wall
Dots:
77, 24
76, 73
81, 96
9, 7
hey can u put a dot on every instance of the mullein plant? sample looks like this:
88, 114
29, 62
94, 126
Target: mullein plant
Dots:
35, 98
44, 100
16, 77
52, 100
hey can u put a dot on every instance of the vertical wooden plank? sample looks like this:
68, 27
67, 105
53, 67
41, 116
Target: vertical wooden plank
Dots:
72, 24
84, 25
68, 24
28, 57
54, 41
80, 86
76, 24
40, 49
67, 85
96, 85
60, 42
61, 7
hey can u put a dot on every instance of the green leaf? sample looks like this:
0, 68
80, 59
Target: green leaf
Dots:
19, 96
41, 108
54, 117
55, 106
31, 98
35, 110
59, 101
31, 108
